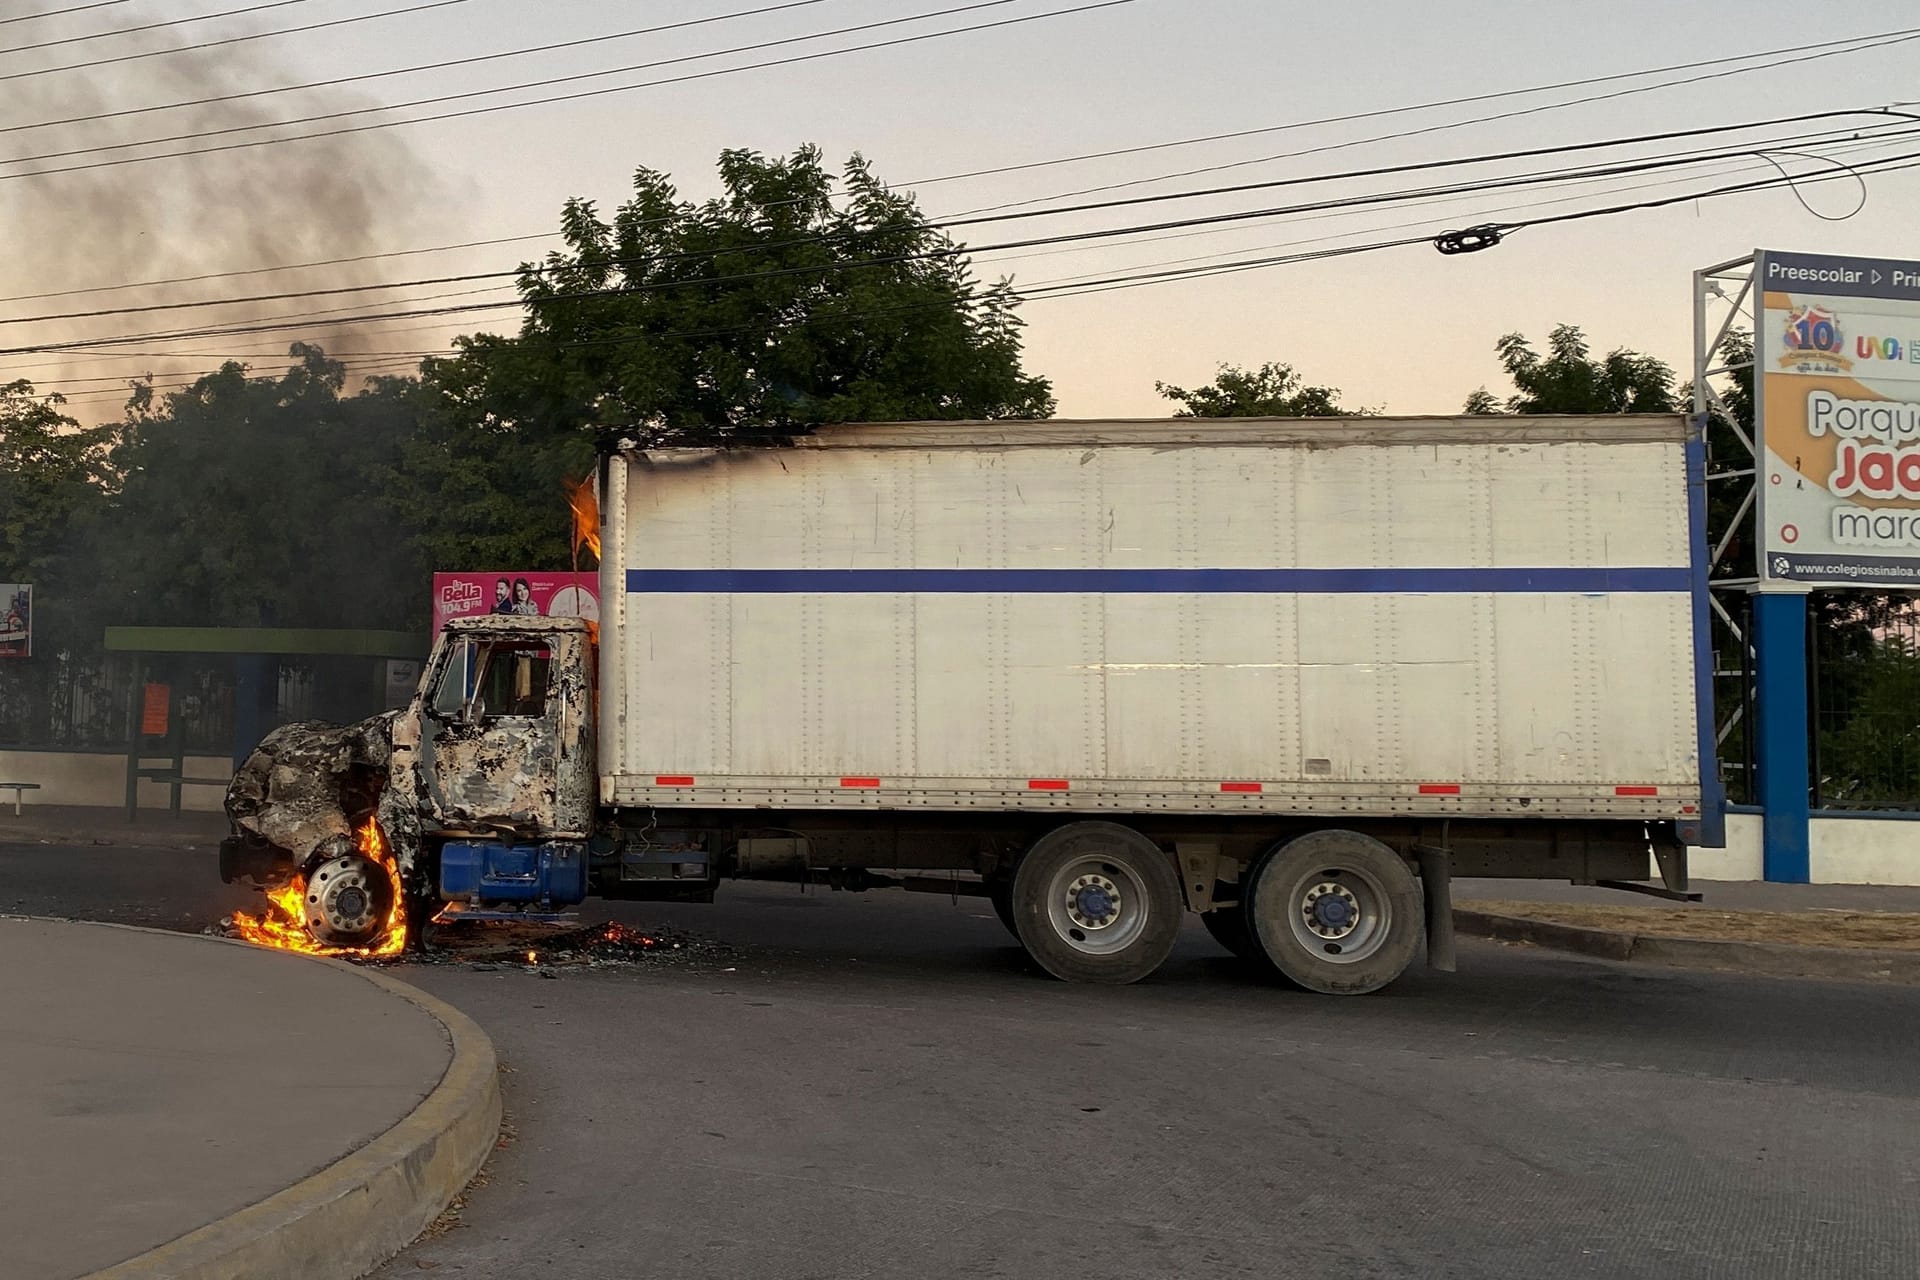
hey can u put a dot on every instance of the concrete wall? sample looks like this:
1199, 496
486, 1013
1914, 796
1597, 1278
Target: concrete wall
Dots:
1864, 851
100, 779
1850, 850
1740, 860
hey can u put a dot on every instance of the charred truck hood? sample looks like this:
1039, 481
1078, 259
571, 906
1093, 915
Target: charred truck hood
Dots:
298, 798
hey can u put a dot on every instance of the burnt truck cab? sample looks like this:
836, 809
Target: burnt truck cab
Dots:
500, 734
482, 789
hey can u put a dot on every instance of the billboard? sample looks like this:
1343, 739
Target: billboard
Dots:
1837, 381
530, 594
16, 620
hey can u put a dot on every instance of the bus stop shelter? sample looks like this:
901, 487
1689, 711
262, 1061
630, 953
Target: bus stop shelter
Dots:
156, 741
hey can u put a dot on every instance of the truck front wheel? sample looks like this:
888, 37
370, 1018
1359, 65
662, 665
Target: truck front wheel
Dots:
1335, 912
1096, 902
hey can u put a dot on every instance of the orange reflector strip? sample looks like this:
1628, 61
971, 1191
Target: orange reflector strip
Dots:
673, 780
1248, 787
1046, 784
1636, 791
1439, 788
859, 782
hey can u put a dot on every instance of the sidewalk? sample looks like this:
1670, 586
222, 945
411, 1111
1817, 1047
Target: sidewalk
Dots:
1853, 933
168, 1088
1717, 895
74, 825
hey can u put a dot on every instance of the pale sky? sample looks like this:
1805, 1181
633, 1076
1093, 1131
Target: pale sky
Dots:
1405, 330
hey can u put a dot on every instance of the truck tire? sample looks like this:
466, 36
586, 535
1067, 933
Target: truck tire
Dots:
1335, 912
1097, 902
1228, 925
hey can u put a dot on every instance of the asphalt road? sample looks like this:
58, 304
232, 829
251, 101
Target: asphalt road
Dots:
878, 1085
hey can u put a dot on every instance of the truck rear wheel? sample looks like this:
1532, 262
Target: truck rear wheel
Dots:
1096, 902
1228, 925
1335, 912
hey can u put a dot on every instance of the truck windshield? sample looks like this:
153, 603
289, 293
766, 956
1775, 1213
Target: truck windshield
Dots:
487, 679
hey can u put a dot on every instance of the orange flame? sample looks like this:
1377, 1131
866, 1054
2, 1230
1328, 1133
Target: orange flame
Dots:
586, 517
283, 925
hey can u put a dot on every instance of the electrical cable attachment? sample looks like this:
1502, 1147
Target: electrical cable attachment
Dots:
1472, 240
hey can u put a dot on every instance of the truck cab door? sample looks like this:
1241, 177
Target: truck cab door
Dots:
507, 734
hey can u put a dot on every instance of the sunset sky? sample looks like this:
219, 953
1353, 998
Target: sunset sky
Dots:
1406, 330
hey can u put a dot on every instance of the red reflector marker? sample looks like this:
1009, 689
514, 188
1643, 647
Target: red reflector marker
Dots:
859, 782
673, 780
1046, 784
1636, 791
1243, 787
1439, 788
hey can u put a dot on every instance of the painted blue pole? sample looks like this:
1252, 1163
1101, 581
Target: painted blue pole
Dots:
255, 693
1780, 712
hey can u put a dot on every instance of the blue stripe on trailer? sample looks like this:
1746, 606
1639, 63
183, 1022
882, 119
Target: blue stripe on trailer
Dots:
1589, 581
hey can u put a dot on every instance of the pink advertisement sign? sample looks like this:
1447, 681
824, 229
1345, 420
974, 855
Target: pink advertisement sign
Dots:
544, 595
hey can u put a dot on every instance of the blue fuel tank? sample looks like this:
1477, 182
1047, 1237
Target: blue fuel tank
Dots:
493, 872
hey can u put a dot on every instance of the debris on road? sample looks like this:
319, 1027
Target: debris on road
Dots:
544, 948
493, 945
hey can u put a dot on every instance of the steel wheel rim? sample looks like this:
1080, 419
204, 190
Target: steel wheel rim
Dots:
1341, 915
1097, 906
346, 899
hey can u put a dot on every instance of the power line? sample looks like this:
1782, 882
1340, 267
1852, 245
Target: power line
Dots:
1393, 111
215, 44
1417, 166
402, 71
1141, 279
484, 93
975, 173
290, 266
536, 102
1884, 40
151, 26
943, 252
950, 224
415, 354
56, 13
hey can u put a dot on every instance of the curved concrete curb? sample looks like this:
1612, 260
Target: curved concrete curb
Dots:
1773, 959
355, 1214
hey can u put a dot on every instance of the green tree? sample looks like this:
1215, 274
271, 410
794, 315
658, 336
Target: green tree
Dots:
250, 501
1870, 754
763, 310
791, 299
1570, 379
54, 483
53, 476
1274, 390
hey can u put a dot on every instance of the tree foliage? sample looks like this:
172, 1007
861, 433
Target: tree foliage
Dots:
1869, 746
788, 300
1274, 390
54, 480
263, 501
1570, 379
765, 309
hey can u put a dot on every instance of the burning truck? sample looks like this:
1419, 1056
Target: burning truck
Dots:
1288, 676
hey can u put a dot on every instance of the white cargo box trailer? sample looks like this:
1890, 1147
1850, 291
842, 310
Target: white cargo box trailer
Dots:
1470, 638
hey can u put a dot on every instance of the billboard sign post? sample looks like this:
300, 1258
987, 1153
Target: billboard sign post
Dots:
1837, 406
